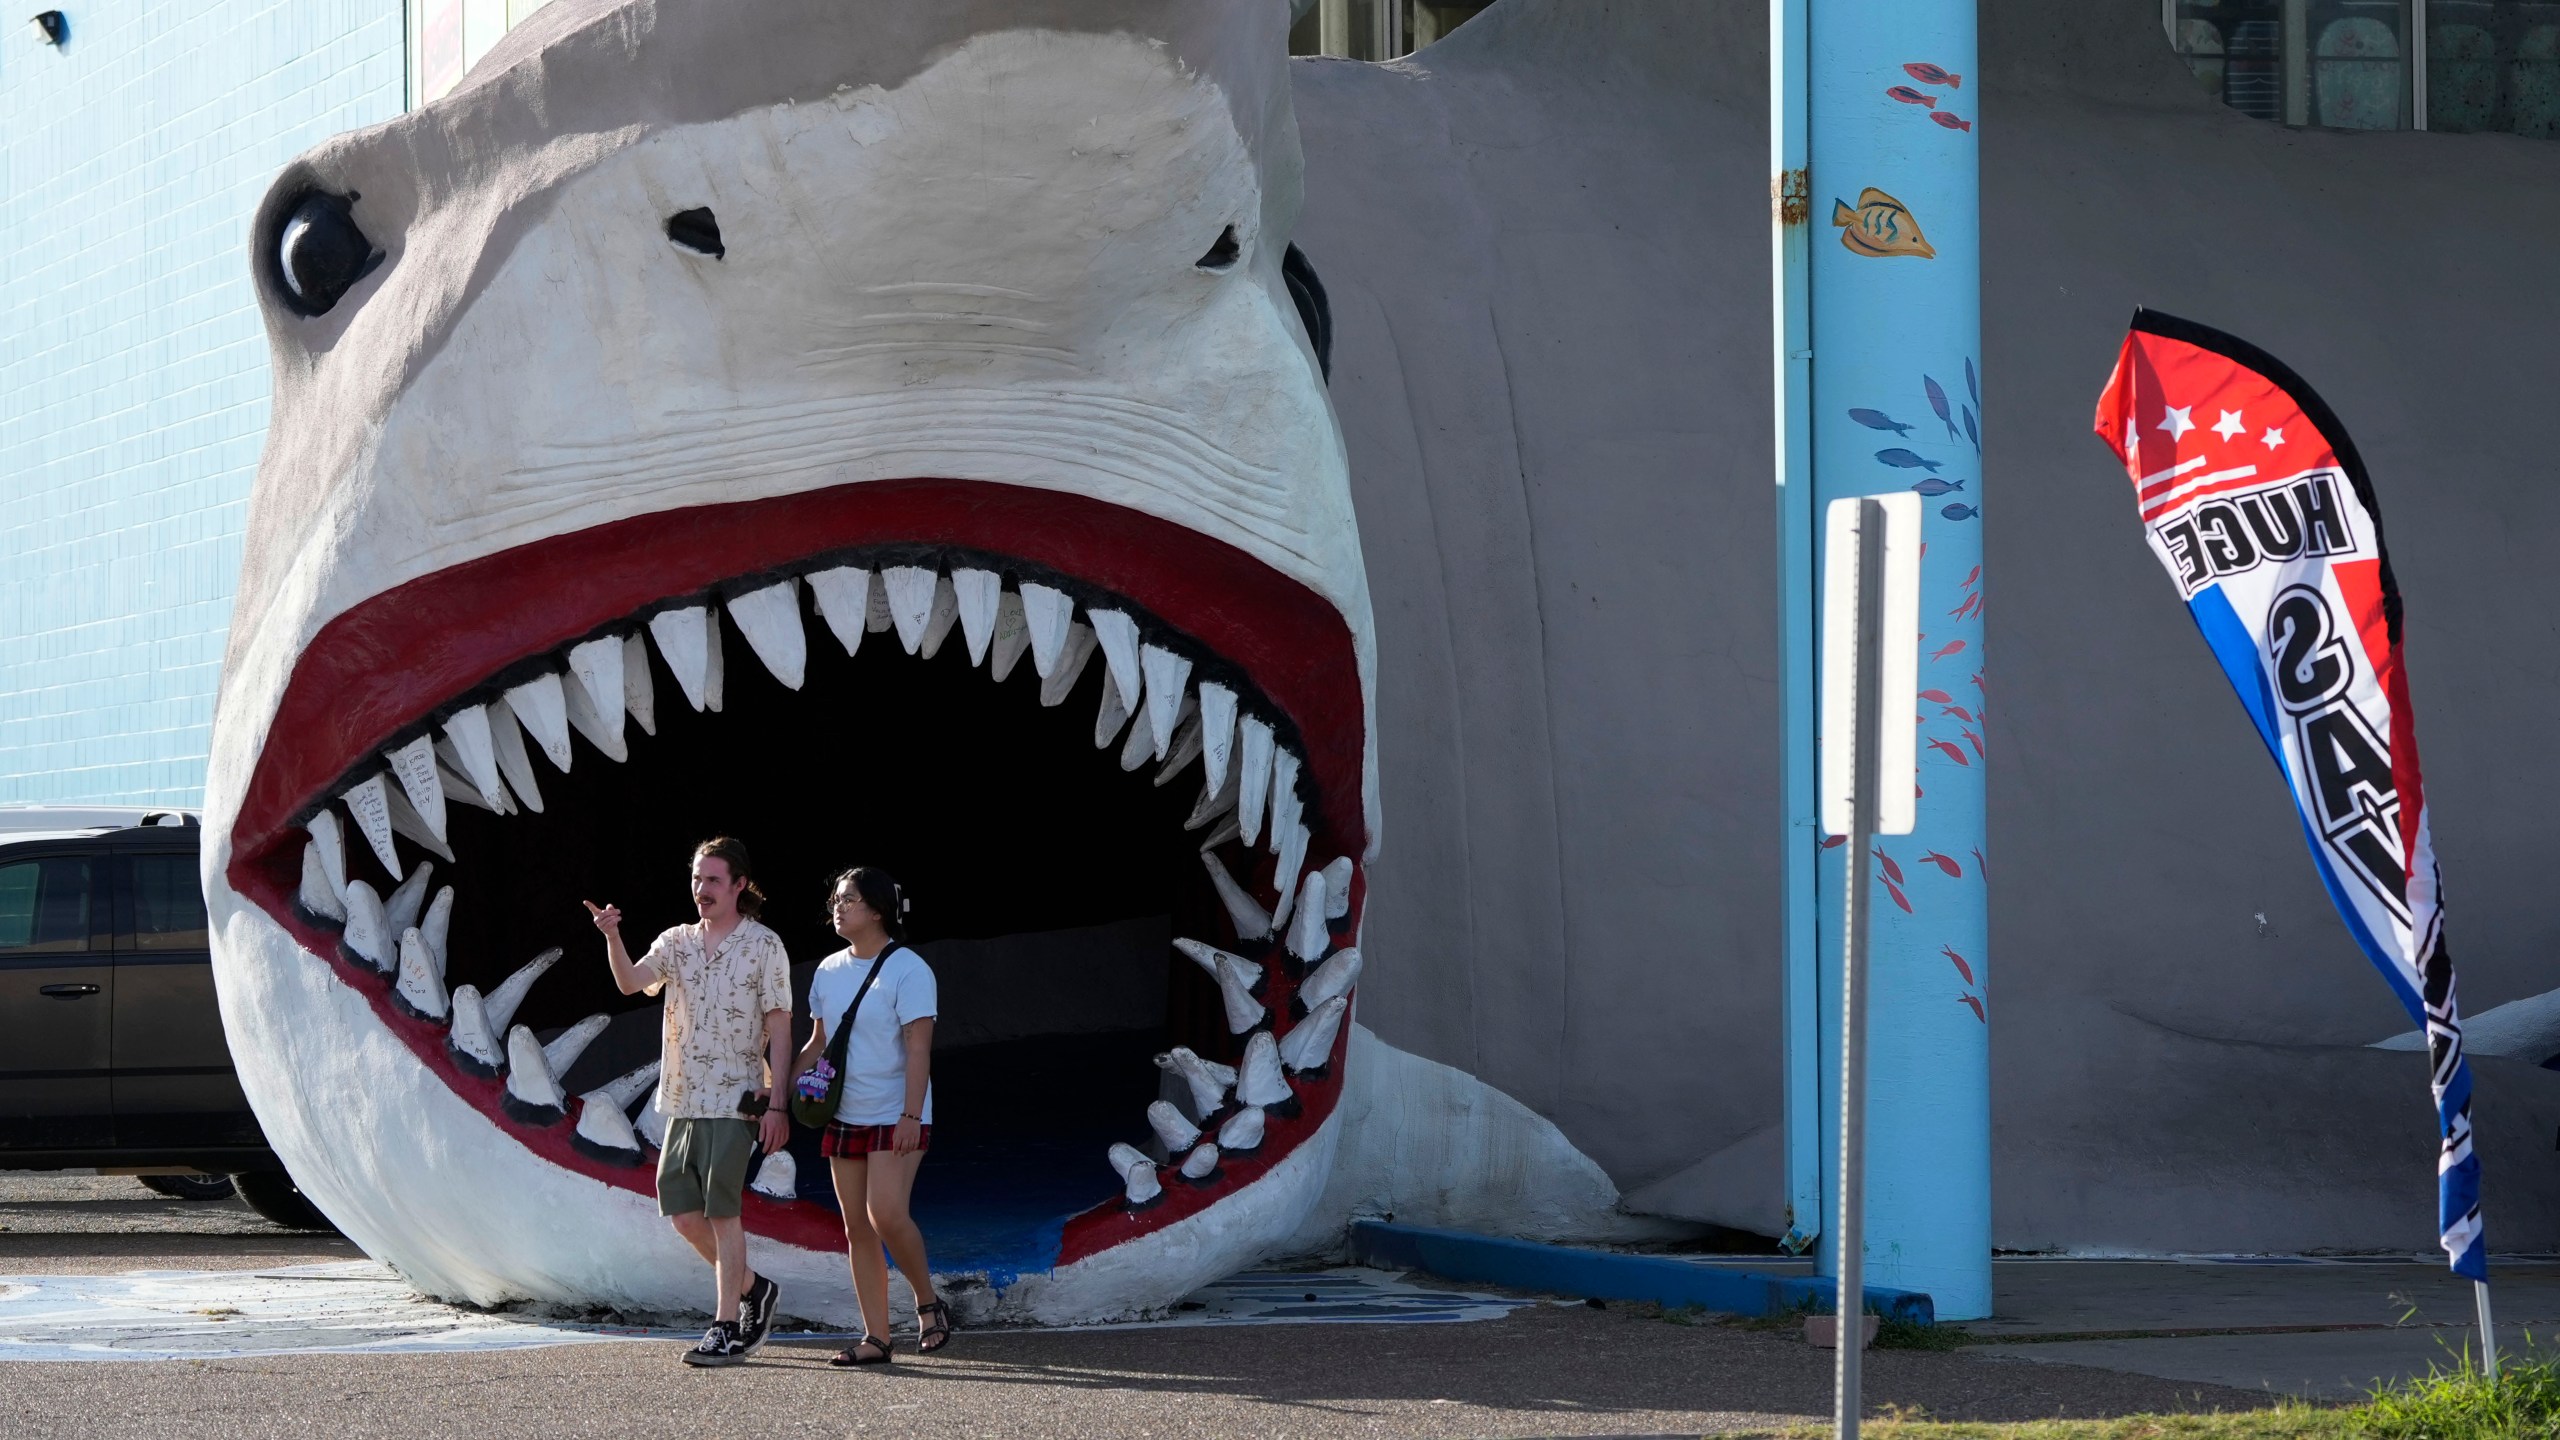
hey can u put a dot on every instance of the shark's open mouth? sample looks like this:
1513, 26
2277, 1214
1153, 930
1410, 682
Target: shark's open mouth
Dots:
1044, 712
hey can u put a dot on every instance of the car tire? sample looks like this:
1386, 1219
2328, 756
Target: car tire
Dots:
273, 1194
190, 1187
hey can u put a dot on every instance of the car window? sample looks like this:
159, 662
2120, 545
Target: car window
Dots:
44, 907
168, 903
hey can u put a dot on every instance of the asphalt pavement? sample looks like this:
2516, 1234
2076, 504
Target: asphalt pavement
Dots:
1556, 1367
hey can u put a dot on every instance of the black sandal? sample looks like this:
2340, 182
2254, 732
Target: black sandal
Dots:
843, 1359
930, 1338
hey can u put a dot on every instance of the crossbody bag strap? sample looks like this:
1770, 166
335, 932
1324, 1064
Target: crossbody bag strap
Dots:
844, 1030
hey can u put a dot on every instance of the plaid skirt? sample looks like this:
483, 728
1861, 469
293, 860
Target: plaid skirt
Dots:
842, 1139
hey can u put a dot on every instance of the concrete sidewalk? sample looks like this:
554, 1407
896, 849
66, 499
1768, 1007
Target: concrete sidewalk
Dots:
2327, 1329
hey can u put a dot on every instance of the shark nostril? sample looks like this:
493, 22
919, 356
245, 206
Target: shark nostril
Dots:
1223, 253
697, 229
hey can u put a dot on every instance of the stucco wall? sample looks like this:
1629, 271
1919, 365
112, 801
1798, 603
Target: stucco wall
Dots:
133, 388
1547, 244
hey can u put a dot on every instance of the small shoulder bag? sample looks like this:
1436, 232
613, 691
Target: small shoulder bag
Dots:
815, 1110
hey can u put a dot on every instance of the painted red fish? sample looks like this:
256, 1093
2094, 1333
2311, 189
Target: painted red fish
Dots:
1952, 122
1975, 741
1928, 74
1961, 968
1835, 842
1971, 602
1909, 96
1977, 1009
1976, 575
1946, 863
1977, 682
1896, 892
1936, 697
1957, 711
1951, 750
1892, 872
1950, 648
1980, 866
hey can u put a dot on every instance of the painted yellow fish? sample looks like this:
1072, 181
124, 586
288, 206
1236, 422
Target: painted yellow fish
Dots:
1880, 227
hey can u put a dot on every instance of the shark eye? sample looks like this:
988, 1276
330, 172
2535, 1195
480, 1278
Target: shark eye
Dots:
697, 230
1223, 253
1308, 293
320, 252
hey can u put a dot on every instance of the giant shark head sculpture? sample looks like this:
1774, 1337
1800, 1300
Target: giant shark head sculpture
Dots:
828, 425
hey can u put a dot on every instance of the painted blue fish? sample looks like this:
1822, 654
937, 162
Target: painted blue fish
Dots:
1961, 512
1970, 433
1878, 420
1901, 459
1933, 487
1969, 387
1938, 402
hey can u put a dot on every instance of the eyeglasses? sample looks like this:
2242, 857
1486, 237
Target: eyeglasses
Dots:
835, 902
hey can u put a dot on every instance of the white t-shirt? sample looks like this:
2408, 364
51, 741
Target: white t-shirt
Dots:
875, 1060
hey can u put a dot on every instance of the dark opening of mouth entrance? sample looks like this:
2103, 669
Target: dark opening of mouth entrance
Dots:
1047, 884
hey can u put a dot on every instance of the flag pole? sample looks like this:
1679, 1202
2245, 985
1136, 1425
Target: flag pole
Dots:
1849, 1312
2488, 1333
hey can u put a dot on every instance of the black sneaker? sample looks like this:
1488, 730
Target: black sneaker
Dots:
719, 1345
755, 1313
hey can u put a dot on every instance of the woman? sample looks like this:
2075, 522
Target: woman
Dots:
885, 1117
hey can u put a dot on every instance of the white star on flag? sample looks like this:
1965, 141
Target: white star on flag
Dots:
2230, 425
2273, 439
2178, 421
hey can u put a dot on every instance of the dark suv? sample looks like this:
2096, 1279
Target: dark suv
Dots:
111, 1048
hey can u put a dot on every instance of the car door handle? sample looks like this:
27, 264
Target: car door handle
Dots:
68, 992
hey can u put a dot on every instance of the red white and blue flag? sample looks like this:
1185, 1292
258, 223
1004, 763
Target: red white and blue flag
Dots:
2255, 500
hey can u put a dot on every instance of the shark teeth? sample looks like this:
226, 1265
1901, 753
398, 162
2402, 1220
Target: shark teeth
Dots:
1337, 888
1209, 1080
1137, 1173
328, 838
1238, 980
437, 928
685, 640
1060, 680
1200, 1167
1336, 976
1046, 614
604, 1122
419, 991
532, 1096
778, 1178
1252, 922
1109, 720
470, 1039
1172, 1127
502, 1002
1307, 1049
1308, 937
1012, 638
595, 695
976, 595
1117, 634
1242, 1133
506, 743
369, 802
473, 753
1259, 1082
843, 595
639, 691
541, 706
1253, 759
414, 766
910, 589
1217, 733
1166, 677
939, 620
770, 619
316, 896
368, 934
402, 909
562, 1050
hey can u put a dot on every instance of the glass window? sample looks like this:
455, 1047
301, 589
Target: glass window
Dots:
2494, 65
168, 903
1377, 29
44, 907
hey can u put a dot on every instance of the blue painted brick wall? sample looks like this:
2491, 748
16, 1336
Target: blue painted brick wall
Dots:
133, 370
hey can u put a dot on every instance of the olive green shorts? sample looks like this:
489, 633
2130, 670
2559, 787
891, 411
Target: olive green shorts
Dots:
703, 1169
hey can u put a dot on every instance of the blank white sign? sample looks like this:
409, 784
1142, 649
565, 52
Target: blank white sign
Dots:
1897, 755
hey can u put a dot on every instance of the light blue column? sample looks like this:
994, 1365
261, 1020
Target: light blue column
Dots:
1896, 406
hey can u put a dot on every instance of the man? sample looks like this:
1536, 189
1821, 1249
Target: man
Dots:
728, 989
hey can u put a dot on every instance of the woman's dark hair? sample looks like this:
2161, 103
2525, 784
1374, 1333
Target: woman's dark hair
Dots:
878, 891
732, 852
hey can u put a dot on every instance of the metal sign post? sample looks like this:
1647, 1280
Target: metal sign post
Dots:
1869, 660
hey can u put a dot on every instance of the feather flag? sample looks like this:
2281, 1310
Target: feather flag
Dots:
2254, 499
